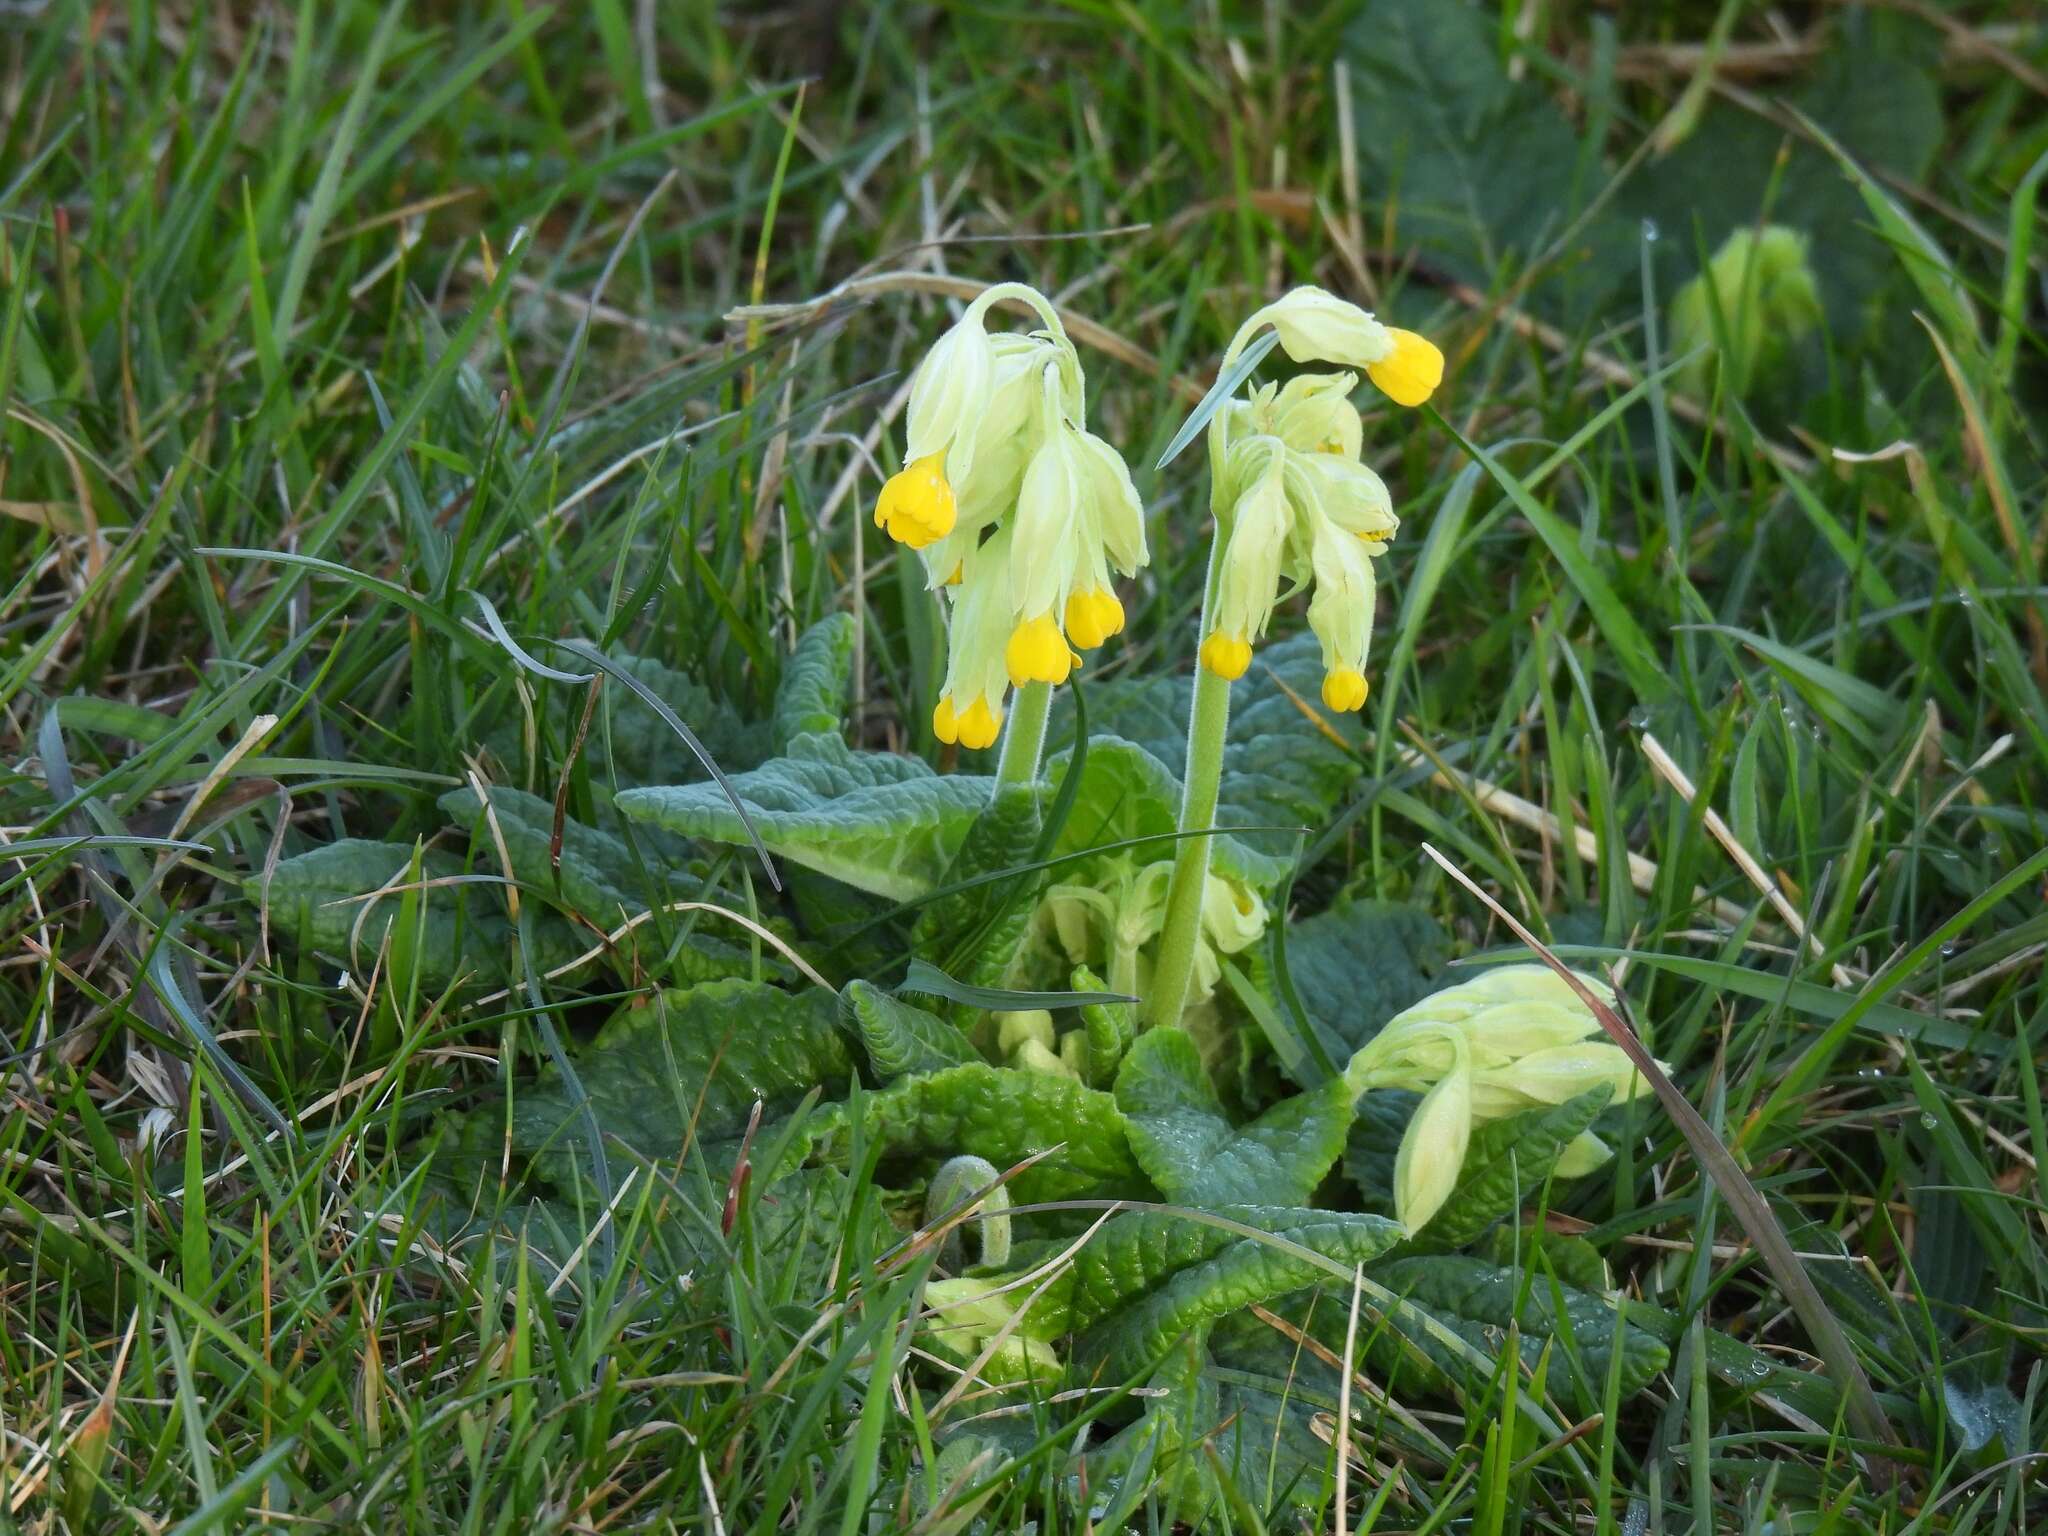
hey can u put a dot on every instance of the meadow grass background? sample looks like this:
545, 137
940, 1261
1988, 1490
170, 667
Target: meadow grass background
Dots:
317, 320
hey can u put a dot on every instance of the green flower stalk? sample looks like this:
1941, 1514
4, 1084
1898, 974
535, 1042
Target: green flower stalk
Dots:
1293, 504
1511, 1039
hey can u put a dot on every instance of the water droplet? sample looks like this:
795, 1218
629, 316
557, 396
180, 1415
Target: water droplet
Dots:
1927, 1121
1650, 229
1759, 1367
1948, 951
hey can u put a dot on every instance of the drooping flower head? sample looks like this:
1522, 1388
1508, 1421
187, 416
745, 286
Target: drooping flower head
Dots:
1293, 502
1513, 1038
1020, 513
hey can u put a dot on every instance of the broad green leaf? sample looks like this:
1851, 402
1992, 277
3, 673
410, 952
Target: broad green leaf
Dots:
1361, 962
1135, 1252
1189, 1148
685, 1067
1476, 1300
628, 744
812, 697
599, 879
1126, 792
1487, 168
879, 822
1005, 1116
314, 898
1506, 1162
972, 934
1111, 1027
1218, 1275
1287, 762
902, 1039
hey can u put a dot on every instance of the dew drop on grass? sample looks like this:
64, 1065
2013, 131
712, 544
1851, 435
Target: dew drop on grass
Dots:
1927, 1121
1650, 232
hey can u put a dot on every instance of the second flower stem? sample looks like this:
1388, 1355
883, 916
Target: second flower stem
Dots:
1208, 722
1024, 741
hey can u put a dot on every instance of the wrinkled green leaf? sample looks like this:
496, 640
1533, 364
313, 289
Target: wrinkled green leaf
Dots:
973, 934
903, 1039
1127, 792
1361, 962
463, 930
812, 697
1476, 1300
1187, 1145
1005, 1116
878, 822
687, 1066
1145, 1285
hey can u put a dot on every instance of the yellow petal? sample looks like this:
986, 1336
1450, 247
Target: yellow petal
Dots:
1037, 653
980, 725
945, 724
1092, 617
1344, 690
917, 505
1411, 372
1226, 655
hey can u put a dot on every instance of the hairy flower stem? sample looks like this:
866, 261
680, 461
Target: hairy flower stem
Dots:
1208, 722
1024, 741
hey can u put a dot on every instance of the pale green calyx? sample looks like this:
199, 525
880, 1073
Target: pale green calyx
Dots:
1513, 1038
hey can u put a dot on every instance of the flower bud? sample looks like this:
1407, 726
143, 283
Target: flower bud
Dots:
1433, 1149
1317, 326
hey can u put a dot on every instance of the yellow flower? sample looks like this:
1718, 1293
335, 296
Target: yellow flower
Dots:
1344, 690
1249, 581
1509, 1039
1316, 326
916, 506
1077, 515
1411, 372
970, 707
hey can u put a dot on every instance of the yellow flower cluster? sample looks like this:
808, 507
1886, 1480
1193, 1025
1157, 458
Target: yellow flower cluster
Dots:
1019, 513
1294, 503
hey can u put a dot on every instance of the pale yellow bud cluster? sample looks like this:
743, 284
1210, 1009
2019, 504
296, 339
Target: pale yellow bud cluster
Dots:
1295, 504
1513, 1038
1019, 513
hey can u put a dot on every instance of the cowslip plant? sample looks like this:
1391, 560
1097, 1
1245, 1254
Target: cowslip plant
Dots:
1019, 514
1511, 1039
1292, 503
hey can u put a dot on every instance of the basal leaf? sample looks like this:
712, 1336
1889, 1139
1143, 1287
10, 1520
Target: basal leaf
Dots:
598, 881
879, 822
1476, 1300
1221, 1274
972, 934
1187, 1145
812, 697
1127, 792
1006, 1115
902, 1039
687, 1065
463, 932
1505, 1164
1361, 962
